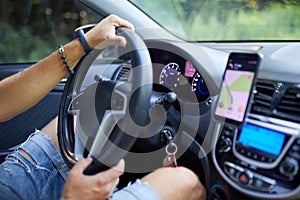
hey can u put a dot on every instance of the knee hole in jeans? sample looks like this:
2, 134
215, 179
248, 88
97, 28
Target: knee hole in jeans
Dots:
26, 155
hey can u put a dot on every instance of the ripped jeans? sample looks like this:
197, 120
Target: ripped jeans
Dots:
42, 177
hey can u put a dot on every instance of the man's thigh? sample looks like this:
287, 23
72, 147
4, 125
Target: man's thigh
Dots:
35, 170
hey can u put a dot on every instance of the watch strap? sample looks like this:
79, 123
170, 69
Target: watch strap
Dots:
80, 34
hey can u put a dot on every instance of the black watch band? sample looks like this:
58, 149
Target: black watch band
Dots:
80, 34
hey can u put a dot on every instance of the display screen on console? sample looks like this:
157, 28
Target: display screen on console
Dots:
236, 86
262, 139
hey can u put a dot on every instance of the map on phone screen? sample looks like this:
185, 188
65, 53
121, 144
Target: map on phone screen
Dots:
234, 94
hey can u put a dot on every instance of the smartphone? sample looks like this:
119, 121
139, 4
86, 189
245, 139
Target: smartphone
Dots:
236, 86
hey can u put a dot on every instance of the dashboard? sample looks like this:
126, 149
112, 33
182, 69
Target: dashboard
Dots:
259, 157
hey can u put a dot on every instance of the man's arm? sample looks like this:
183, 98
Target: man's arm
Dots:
23, 90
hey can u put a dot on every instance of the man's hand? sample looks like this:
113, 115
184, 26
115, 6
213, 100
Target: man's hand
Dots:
99, 186
104, 33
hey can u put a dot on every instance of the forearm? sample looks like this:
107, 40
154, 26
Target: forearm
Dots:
23, 90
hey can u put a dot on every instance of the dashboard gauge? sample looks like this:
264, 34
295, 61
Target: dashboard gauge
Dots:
169, 75
198, 85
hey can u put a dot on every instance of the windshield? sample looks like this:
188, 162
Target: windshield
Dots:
226, 20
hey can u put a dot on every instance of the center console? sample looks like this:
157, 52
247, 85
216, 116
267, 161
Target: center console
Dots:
258, 152
260, 157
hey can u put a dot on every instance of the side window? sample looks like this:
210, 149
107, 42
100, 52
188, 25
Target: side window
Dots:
32, 29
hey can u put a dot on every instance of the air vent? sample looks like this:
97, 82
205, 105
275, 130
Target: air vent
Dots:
289, 105
263, 96
124, 73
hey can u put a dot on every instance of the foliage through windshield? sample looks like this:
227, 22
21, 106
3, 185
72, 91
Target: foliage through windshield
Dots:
32, 30
226, 20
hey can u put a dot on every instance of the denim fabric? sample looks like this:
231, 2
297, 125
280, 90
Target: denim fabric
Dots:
137, 191
44, 178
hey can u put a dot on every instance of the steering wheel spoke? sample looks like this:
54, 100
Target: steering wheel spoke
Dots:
73, 107
109, 121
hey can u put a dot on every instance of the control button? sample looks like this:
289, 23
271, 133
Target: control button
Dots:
245, 178
270, 160
242, 151
261, 185
289, 167
258, 183
295, 155
263, 158
248, 154
266, 186
231, 171
227, 133
296, 148
255, 156
224, 145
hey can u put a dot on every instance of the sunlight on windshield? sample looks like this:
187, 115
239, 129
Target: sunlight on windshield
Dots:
219, 20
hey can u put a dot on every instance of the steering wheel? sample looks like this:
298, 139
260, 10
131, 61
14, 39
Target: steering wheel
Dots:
108, 113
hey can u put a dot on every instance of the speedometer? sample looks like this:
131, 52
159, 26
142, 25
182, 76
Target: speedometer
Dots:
169, 75
198, 85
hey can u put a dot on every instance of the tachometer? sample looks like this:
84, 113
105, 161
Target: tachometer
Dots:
198, 85
169, 75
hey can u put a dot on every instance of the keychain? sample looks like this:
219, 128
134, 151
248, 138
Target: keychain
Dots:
170, 160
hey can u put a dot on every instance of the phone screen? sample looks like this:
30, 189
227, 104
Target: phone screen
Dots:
237, 83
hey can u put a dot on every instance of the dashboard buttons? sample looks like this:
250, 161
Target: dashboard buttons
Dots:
254, 155
289, 167
225, 143
263, 184
248, 179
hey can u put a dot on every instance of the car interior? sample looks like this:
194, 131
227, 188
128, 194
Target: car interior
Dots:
231, 108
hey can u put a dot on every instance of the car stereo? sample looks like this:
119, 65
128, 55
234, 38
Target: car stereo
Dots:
259, 143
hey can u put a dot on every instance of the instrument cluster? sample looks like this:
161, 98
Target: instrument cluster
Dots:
179, 75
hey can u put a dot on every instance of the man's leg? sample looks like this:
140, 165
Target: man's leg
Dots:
176, 184
51, 131
35, 171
